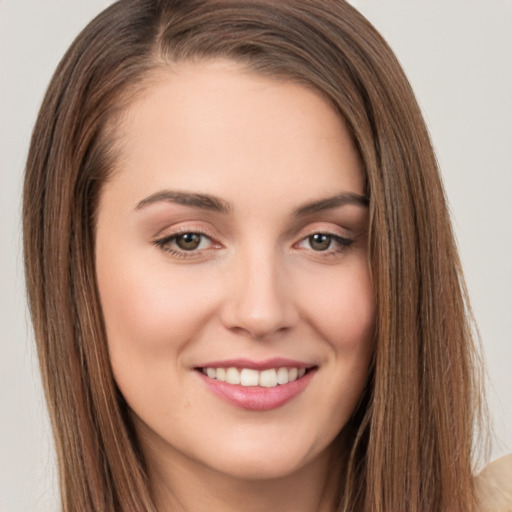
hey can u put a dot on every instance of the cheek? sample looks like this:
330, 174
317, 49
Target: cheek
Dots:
343, 309
150, 311
151, 315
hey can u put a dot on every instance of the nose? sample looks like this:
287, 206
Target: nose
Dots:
259, 297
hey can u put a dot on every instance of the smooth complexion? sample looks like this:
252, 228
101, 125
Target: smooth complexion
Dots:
231, 233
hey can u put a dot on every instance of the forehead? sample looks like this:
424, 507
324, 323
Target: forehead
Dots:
208, 126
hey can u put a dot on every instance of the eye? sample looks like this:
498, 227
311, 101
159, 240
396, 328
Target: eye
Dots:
189, 241
320, 241
186, 242
323, 242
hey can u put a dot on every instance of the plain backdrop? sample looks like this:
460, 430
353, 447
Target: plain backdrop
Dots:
458, 56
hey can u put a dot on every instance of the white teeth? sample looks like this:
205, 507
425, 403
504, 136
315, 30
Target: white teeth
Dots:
248, 377
282, 376
221, 374
232, 376
268, 378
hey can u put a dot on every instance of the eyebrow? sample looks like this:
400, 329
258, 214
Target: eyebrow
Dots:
215, 204
332, 202
201, 201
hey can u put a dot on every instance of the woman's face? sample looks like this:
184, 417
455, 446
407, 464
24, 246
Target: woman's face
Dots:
231, 245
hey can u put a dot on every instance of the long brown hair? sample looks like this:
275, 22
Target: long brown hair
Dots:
424, 358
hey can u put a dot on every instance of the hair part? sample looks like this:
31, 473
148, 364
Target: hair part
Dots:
424, 356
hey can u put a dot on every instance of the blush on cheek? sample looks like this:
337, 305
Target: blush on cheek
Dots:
343, 310
155, 311
148, 320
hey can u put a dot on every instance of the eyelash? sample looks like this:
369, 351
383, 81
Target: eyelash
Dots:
163, 244
342, 243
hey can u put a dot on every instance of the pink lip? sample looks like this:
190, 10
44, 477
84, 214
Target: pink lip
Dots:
277, 362
256, 398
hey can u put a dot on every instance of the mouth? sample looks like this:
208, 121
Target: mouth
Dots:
257, 386
268, 378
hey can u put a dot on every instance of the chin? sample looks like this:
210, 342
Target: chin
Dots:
261, 468
271, 459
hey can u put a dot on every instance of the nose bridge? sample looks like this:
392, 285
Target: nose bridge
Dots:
260, 299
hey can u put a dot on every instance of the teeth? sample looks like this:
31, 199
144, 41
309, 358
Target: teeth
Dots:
249, 377
232, 376
268, 378
282, 376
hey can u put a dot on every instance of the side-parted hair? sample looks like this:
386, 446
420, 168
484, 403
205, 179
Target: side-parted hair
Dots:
411, 438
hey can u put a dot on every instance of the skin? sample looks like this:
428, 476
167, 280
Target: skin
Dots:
256, 287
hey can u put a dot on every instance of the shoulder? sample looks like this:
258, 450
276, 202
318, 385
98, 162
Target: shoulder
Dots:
494, 486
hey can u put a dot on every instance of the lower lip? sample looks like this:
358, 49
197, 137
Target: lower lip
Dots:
256, 398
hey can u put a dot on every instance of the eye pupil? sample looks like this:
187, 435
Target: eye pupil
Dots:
320, 242
188, 241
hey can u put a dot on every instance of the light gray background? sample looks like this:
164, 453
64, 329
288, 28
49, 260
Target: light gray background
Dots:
457, 54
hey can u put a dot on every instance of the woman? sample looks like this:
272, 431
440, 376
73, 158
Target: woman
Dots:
230, 191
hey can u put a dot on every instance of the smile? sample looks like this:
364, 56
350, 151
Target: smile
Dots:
249, 377
257, 387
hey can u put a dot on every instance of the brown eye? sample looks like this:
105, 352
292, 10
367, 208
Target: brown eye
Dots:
320, 241
188, 241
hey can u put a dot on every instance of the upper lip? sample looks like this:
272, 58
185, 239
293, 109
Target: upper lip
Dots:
276, 362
